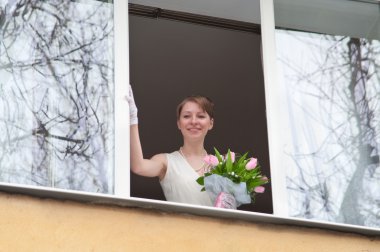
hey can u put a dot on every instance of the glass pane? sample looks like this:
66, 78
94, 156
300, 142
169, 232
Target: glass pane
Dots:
56, 94
330, 86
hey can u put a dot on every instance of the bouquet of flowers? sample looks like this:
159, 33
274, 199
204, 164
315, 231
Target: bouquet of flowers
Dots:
232, 180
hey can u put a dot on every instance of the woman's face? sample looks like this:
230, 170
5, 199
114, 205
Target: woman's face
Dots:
194, 122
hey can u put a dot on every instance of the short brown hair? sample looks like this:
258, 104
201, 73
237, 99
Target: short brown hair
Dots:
204, 102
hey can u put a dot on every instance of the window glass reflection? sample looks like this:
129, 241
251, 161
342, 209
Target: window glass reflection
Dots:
56, 94
331, 86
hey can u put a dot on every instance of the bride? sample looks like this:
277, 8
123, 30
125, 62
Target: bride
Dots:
177, 171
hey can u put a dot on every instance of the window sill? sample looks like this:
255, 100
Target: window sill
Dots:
105, 199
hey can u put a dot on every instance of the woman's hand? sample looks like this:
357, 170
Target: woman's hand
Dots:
132, 107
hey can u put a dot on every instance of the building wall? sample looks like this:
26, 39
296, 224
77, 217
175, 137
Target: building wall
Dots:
34, 224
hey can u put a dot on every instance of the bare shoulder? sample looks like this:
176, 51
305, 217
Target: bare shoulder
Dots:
160, 158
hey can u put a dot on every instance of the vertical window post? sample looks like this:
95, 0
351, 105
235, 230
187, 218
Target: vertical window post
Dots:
273, 104
121, 56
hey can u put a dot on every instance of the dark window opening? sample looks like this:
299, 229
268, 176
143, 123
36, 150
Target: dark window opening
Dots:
170, 60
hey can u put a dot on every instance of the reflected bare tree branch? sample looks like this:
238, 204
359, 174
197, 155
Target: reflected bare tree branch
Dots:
57, 94
338, 176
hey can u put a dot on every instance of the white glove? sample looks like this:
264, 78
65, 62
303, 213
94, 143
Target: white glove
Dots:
132, 107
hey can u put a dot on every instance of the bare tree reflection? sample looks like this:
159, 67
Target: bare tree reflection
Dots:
337, 177
56, 90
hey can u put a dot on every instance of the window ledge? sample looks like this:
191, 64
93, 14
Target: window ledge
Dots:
112, 200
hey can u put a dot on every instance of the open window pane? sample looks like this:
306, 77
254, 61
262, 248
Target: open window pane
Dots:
330, 89
56, 94
179, 53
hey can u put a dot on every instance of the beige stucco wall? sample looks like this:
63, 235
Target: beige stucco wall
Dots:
33, 224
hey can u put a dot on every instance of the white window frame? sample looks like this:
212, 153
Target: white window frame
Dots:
121, 57
122, 197
273, 103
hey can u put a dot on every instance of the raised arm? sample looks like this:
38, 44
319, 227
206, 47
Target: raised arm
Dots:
156, 166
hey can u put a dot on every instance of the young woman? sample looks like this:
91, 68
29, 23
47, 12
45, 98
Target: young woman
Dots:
177, 171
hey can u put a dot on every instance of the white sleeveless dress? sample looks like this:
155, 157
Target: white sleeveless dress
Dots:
179, 183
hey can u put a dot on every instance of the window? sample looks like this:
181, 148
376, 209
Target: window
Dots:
329, 88
62, 115
171, 59
57, 94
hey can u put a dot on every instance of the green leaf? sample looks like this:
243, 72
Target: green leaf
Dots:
252, 183
242, 159
201, 180
217, 154
229, 161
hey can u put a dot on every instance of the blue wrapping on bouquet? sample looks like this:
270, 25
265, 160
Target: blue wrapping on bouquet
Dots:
216, 184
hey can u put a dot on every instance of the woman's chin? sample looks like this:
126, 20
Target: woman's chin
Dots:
195, 136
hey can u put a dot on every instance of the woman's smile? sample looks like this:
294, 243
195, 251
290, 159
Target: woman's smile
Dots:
195, 130
194, 121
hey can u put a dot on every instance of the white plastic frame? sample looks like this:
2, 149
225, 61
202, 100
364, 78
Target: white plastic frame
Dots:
121, 56
122, 186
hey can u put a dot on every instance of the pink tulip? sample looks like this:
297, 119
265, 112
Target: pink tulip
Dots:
211, 160
225, 200
259, 189
264, 179
232, 156
252, 163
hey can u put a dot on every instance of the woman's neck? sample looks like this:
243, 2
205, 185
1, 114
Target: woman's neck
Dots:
193, 149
